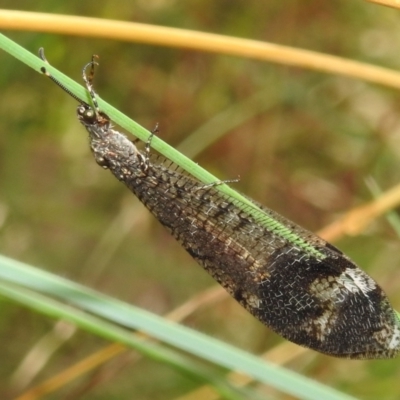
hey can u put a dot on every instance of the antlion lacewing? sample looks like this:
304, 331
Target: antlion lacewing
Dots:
296, 283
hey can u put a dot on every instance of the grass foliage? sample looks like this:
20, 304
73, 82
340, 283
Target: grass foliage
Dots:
303, 133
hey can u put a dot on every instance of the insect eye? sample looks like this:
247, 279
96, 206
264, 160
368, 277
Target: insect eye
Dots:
87, 114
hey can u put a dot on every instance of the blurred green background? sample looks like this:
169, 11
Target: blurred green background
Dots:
307, 145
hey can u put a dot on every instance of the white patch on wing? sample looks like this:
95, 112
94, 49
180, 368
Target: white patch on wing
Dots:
336, 289
355, 280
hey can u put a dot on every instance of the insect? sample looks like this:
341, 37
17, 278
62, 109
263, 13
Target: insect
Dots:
294, 282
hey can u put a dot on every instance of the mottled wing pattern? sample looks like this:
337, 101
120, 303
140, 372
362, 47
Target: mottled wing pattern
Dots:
327, 304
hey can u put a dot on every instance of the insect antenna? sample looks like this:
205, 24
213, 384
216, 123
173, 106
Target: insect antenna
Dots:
88, 79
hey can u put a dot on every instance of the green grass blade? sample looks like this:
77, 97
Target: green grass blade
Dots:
169, 152
171, 333
52, 308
